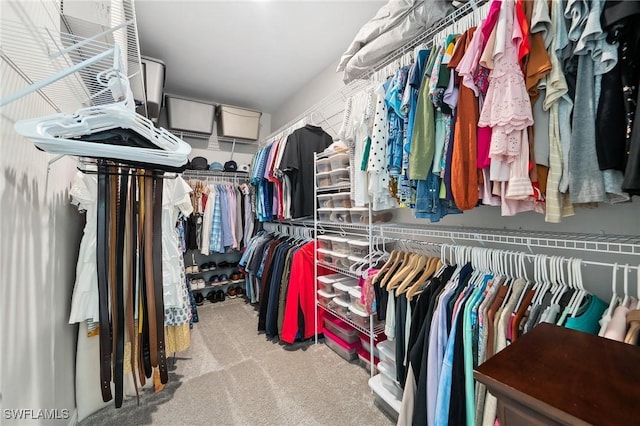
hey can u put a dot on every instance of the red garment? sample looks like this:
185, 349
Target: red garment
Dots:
300, 296
521, 19
204, 201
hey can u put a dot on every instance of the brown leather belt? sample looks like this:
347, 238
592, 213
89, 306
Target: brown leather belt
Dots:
118, 300
131, 231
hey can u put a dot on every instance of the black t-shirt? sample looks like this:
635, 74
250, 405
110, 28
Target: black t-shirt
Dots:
297, 162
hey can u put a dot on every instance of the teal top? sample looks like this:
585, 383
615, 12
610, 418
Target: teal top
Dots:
589, 320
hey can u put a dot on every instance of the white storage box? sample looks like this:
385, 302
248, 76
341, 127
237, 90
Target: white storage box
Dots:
348, 351
323, 180
358, 248
387, 351
324, 214
339, 161
324, 298
365, 342
324, 165
190, 116
340, 245
325, 256
325, 200
387, 372
354, 298
360, 215
341, 216
234, 122
340, 176
342, 199
326, 284
341, 329
324, 242
341, 289
360, 317
341, 307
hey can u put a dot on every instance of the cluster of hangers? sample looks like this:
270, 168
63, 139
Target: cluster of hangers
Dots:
296, 233
62, 133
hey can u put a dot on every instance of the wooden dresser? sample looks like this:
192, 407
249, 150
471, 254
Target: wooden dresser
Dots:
557, 376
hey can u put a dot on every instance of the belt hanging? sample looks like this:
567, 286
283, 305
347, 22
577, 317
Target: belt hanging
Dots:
145, 353
131, 231
148, 267
103, 283
157, 278
119, 321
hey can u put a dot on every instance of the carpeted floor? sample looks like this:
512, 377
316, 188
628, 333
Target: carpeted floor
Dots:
231, 375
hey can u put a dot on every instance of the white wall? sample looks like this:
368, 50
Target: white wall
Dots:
322, 85
39, 241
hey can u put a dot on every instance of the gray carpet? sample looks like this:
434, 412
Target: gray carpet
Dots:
231, 375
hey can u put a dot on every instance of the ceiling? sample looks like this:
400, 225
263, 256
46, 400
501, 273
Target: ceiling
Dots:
254, 54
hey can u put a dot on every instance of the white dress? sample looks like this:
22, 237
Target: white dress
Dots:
84, 304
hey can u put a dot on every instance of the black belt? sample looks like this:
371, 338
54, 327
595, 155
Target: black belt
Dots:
157, 276
119, 320
103, 283
145, 341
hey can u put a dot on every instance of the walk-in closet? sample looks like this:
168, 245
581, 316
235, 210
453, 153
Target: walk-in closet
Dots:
416, 212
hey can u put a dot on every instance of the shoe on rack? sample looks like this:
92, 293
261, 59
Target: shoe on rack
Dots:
231, 292
220, 296
199, 299
236, 276
204, 267
223, 264
201, 283
213, 266
239, 291
211, 297
214, 280
233, 264
193, 283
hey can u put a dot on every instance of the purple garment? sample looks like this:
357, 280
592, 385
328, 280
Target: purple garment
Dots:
227, 236
451, 94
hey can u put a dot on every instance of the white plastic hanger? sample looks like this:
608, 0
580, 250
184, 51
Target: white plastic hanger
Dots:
55, 133
625, 300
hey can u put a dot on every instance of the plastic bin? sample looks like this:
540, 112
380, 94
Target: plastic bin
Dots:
342, 199
341, 329
387, 372
348, 351
354, 298
358, 248
340, 245
387, 351
353, 260
341, 289
338, 259
339, 176
339, 161
324, 214
325, 200
365, 360
324, 298
323, 180
326, 284
341, 307
360, 215
360, 317
324, 242
325, 256
324, 165
364, 341
341, 216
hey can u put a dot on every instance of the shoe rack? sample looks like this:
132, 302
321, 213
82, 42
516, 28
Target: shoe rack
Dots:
214, 278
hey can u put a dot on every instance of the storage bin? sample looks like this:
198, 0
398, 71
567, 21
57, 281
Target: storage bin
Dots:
324, 214
341, 307
388, 374
323, 180
234, 122
364, 341
360, 317
348, 351
324, 165
342, 199
340, 245
340, 176
341, 289
324, 298
353, 261
360, 215
324, 242
325, 256
339, 161
365, 360
341, 329
325, 200
345, 262
354, 298
326, 284
341, 216
387, 351
358, 248
338, 259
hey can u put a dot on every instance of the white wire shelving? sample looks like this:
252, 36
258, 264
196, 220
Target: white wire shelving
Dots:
343, 271
334, 188
378, 328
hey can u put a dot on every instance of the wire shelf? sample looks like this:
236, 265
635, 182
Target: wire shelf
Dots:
219, 175
37, 53
332, 188
611, 244
343, 271
342, 226
378, 329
